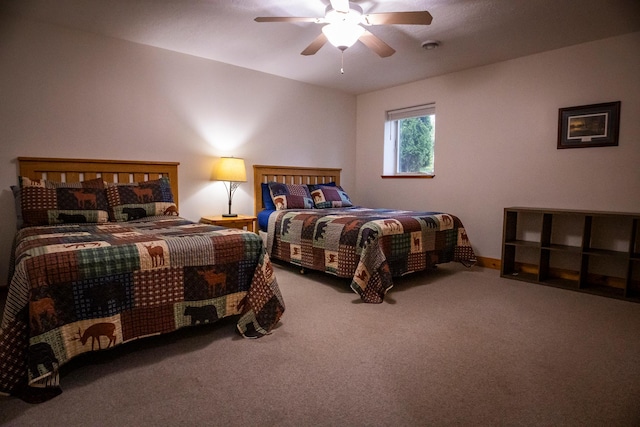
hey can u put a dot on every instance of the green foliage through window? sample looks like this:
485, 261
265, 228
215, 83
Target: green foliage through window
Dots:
409, 141
415, 144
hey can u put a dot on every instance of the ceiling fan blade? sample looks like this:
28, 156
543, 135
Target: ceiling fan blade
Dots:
315, 45
340, 5
376, 45
406, 18
287, 19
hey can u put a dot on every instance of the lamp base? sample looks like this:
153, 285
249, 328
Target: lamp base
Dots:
229, 215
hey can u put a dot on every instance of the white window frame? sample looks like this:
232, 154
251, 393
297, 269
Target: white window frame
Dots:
391, 146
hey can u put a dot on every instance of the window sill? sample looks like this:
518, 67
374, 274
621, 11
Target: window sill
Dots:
408, 175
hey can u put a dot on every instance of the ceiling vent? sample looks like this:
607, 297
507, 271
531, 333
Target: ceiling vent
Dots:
430, 44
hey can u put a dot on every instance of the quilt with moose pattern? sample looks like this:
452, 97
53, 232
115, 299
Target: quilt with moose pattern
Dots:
79, 288
370, 246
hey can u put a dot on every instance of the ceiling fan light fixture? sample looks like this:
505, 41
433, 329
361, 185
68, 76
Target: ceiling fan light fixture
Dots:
344, 23
342, 35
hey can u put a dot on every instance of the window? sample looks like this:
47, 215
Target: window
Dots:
410, 139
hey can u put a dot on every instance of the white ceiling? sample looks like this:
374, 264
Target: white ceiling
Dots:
471, 32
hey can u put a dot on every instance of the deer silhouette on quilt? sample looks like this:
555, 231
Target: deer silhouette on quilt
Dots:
446, 220
96, 331
216, 282
83, 198
416, 243
143, 194
157, 255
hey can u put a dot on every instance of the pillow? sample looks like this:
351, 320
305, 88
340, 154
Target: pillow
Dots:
329, 196
290, 196
45, 202
267, 201
140, 199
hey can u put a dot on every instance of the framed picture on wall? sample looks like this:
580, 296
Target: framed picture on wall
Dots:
595, 125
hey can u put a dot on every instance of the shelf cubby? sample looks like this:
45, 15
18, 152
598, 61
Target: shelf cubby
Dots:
589, 251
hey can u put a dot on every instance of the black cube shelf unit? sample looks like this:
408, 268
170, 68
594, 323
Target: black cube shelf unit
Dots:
589, 251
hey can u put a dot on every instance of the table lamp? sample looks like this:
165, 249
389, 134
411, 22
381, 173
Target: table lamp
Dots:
231, 170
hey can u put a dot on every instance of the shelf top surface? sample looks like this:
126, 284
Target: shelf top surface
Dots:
572, 211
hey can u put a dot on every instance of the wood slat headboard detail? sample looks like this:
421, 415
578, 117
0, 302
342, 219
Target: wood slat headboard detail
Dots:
76, 170
289, 175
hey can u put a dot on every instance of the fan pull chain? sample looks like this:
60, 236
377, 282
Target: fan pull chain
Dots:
341, 61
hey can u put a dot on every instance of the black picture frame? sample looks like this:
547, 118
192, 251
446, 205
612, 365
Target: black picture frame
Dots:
595, 125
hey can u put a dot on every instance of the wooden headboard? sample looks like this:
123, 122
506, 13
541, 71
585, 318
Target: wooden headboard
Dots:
289, 175
76, 170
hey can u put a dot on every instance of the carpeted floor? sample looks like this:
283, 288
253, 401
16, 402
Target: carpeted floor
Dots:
454, 346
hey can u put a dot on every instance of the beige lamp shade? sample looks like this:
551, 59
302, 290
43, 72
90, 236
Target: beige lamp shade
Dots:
230, 169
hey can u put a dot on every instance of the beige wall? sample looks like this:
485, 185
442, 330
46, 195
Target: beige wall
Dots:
73, 94
496, 136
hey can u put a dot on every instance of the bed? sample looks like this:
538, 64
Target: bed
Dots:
321, 229
103, 258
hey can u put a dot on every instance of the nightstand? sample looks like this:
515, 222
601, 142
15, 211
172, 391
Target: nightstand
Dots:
240, 221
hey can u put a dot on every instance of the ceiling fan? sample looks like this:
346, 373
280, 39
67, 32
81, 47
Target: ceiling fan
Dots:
343, 26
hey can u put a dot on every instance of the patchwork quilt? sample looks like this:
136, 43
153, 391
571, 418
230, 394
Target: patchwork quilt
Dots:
86, 287
370, 246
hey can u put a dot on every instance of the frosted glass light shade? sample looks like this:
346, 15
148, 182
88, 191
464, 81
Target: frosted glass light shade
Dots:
342, 35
